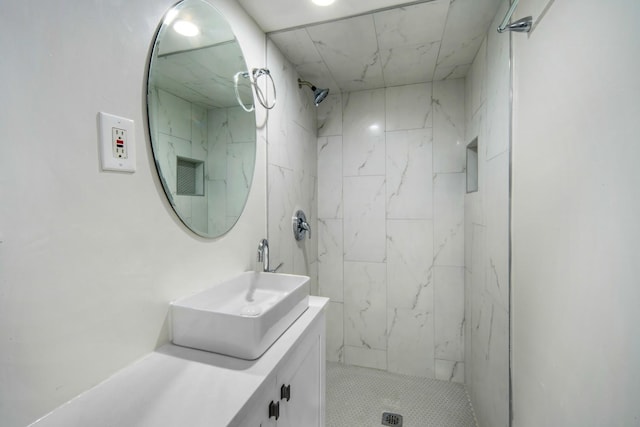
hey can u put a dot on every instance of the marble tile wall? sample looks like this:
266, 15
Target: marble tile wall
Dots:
391, 184
230, 162
224, 139
292, 171
182, 131
486, 230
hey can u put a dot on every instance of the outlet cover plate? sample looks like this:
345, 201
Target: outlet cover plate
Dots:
109, 159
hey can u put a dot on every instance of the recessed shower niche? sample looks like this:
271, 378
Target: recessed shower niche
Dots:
190, 177
472, 166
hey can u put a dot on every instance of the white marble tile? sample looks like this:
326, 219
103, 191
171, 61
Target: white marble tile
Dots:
217, 199
468, 231
219, 137
364, 218
365, 357
319, 75
242, 125
296, 45
473, 215
412, 63
330, 259
475, 83
478, 257
409, 174
330, 177
409, 25
240, 165
335, 332
467, 24
199, 213
305, 251
497, 92
497, 231
292, 171
350, 50
305, 258
282, 149
410, 342
468, 303
448, 219
449, 147
451, 371
408, 107
363, 133
490, 359
281, 207
169, 149
451, 72
409, 264
449, 313
175, 115
199, 133
183, 205
329, 115
365, 305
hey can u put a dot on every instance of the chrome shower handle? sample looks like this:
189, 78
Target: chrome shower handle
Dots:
300, 225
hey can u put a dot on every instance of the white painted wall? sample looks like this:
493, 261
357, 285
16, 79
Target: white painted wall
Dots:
576, 212
89, 260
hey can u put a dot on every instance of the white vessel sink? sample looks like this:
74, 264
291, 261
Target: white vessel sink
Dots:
240, 317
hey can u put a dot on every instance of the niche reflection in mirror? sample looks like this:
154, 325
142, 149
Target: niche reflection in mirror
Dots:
194, 114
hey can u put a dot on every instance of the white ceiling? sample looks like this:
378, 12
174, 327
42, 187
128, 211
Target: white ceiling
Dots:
366, 44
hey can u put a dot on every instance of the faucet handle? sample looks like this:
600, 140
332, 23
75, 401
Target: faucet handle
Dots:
277, 268
300, 225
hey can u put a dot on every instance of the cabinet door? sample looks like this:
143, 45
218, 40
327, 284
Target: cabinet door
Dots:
258, 413
301, 378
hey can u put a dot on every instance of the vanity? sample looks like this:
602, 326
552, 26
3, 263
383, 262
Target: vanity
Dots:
180, 386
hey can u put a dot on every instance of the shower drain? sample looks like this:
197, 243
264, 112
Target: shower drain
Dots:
391, 419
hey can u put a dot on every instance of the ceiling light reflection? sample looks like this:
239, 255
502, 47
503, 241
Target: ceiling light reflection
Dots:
186, 28
323, 2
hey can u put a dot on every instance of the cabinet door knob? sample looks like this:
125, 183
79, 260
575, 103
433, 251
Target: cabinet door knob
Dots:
285, 392
274, 410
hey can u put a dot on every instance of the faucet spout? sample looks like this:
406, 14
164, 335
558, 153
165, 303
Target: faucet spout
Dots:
263, 254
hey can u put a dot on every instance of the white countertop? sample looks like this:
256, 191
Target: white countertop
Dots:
179, 386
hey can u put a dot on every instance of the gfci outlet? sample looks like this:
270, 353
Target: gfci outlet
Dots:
117, 145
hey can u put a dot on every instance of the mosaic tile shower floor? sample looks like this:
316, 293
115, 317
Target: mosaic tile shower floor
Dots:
357, 397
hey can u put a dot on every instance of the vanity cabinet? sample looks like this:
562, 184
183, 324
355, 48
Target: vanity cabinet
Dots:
294, 395
180, 386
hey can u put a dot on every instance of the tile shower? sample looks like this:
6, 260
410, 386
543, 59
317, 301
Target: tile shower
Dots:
410, 261
391, 185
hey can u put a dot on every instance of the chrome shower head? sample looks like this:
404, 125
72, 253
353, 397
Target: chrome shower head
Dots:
318, 94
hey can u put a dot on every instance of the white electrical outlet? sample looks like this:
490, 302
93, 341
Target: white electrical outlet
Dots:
117, 145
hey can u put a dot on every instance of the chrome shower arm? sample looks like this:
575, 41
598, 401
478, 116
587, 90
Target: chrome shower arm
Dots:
521, 25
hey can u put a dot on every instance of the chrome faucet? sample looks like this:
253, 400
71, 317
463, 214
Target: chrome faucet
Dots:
263, 254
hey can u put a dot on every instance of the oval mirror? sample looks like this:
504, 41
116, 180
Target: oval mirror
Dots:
203, 141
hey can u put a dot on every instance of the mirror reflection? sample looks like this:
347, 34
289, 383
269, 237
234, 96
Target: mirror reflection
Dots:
203, 141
